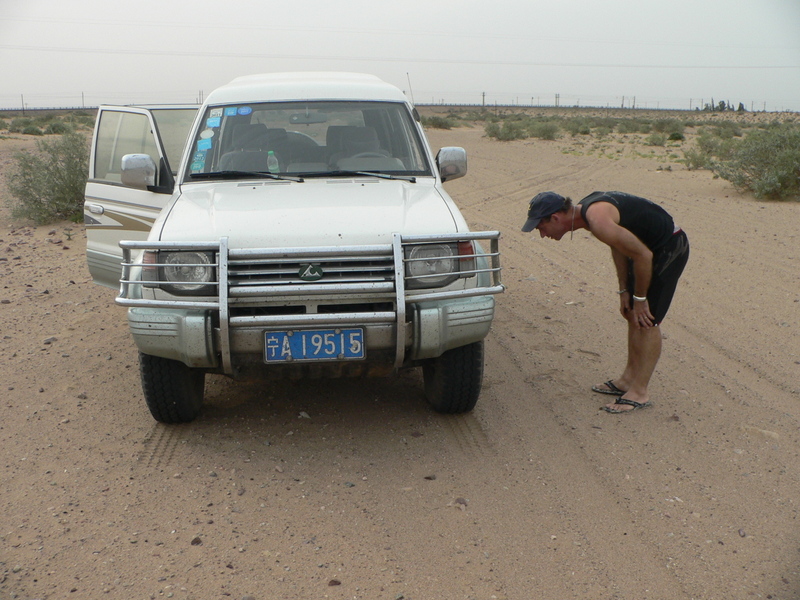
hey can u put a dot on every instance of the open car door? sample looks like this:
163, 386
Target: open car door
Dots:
115, 210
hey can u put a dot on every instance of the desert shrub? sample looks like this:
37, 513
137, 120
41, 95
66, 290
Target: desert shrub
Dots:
78, 120
602, 131
577, 126
676, 137
42, 121
656, 139
695, 159
709, 149
544, 130
628, 126
3, 124
713, 145
668, 126
47, 185
608, 123
32, 130
437, 122
18, 124
766, 162
57, 127
727, 130
506, 131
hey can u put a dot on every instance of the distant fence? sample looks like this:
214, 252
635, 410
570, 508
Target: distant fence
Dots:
432, 105
45, 110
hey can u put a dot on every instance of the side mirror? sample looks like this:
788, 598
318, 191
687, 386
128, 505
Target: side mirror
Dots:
138, 171
452, 163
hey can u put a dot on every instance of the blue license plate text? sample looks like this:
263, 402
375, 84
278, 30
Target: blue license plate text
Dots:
316, 345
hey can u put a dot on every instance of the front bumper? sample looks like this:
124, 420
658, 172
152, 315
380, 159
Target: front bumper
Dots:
191, 336
226, 332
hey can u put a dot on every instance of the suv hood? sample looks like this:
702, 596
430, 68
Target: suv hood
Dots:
318, 212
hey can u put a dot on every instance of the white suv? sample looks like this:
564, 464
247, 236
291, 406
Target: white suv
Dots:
305, 232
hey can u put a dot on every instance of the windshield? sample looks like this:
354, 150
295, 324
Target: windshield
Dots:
308, 138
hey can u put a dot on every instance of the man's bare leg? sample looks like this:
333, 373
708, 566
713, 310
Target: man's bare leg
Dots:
644, 350
623, 382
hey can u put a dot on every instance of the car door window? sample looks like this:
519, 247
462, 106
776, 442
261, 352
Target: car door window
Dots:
118, 134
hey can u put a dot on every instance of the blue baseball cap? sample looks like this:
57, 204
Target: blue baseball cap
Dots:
542, 205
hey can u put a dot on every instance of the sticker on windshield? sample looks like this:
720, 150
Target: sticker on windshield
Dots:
204, 144
215, 112
198, 162
230, 111
213, 122
206, 133
245, 110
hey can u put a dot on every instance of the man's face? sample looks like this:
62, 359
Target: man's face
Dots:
554, 226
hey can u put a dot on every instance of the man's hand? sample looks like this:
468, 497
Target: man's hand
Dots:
640, 315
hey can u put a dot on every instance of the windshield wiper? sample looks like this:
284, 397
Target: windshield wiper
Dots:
339, 173
244, 175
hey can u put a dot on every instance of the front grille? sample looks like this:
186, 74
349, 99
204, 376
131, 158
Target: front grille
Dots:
237, 310
279, 271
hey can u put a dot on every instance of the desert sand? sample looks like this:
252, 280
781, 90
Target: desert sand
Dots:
356, 489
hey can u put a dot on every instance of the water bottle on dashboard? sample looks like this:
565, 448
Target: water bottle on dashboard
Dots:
272, 162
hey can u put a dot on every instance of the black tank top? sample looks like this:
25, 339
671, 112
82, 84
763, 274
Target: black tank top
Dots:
645, 219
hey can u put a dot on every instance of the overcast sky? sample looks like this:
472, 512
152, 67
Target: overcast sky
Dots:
658, 53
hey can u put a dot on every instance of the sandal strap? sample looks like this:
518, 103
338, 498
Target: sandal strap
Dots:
632, 403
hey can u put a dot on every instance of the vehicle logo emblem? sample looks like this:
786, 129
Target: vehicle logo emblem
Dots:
310, 272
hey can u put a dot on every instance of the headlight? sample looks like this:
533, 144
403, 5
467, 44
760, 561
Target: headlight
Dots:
431, 265
180, 273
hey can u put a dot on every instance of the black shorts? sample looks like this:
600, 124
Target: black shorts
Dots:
668, 264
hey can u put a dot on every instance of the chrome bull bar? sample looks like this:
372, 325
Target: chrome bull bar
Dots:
393, 284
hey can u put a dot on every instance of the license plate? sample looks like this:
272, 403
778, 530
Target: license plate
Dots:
314, 345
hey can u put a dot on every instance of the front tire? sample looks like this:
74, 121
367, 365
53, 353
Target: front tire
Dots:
173, 392
453, 380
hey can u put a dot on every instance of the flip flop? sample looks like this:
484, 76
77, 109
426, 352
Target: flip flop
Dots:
626, 402
610, 389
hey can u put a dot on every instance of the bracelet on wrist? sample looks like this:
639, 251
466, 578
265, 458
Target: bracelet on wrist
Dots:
639, 298
622, 292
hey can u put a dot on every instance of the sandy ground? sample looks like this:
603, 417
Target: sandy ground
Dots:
355, 489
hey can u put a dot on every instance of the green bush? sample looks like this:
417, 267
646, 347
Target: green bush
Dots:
766, 162
695, 159
544, 130
58, 128
437, 122
710, 149
578, 126
602, 131
20, 123
3, 124
656, 139
628, 126
48, 185
713, 145
32, 130
506, 131
668, 126
727, 130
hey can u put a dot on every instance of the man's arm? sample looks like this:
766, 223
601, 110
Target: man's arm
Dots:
603, 220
